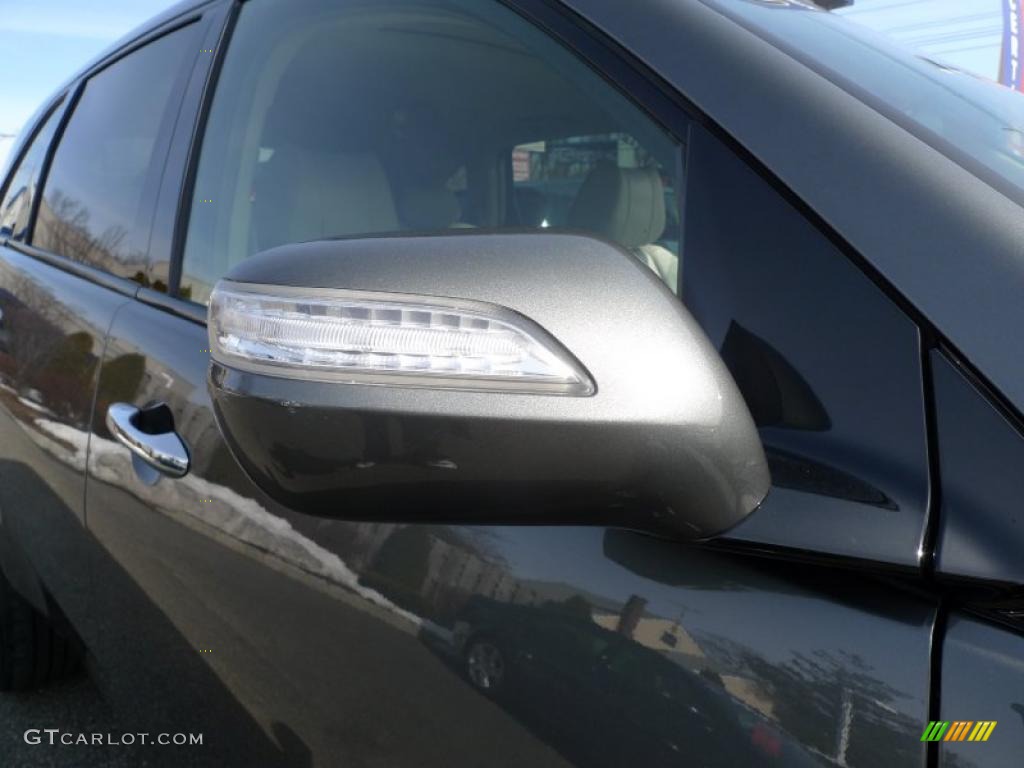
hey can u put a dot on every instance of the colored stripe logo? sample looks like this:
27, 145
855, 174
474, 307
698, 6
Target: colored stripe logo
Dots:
1010, 55
958, 730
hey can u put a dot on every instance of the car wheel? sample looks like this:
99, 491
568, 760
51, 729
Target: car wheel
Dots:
31, 653
485, 666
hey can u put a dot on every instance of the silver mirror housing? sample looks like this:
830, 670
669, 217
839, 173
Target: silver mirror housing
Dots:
479, 377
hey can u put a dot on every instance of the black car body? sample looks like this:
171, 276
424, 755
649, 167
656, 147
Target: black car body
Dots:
574, 673
297, 564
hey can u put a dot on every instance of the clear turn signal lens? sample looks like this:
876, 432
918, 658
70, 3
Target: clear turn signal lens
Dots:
382, 338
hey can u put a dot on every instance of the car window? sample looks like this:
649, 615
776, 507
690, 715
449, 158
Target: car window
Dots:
548, 175
97, 204
17, 204
335, 121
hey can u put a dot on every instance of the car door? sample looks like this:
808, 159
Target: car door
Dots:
981, 448
75, 230
295, 639
53, 325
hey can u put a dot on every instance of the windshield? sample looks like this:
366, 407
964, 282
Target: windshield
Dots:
974, 120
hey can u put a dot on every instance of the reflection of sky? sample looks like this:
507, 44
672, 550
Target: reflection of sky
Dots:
47, 41
964, 34
777, 617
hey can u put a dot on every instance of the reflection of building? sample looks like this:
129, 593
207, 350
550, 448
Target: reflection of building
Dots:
453, 572
655, 632
669, 637
750, 693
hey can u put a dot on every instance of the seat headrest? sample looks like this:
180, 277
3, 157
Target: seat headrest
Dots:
423, 207
332, 194
625, 205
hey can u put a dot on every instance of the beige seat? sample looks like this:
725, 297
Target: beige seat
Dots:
627, 206
315, 195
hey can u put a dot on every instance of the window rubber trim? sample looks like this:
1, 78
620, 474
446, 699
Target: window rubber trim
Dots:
187, 189
56, 103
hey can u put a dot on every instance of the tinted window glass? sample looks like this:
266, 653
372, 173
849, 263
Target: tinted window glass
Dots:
17, 205
339, 120
548, 176
97, 206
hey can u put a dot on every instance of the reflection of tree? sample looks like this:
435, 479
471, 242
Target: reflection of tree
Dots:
67, 375
65, 230
40, 355
142, 279
30, 337
120, 379
831, 702
574, 605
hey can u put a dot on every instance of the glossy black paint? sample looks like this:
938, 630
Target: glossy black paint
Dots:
981, 529
983, 679
137, 595
841, 410
52, 331
338, 639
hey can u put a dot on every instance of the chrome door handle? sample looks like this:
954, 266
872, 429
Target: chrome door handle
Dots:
163, 450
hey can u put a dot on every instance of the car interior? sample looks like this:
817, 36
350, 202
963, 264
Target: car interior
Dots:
371, 123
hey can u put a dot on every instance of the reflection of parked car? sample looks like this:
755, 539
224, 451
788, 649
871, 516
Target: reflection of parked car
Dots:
602, 692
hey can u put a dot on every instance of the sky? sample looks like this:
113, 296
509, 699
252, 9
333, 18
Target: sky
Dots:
46, 41
964, 33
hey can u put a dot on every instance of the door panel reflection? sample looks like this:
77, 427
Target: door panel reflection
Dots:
52, 328
983, 679
373, 643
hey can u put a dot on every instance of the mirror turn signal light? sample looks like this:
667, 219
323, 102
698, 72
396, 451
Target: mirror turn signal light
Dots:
387, 338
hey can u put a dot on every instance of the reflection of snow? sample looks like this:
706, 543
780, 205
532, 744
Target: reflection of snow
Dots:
67, 435
33, 405
240, 518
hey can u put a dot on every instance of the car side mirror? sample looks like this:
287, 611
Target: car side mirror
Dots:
483, 378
